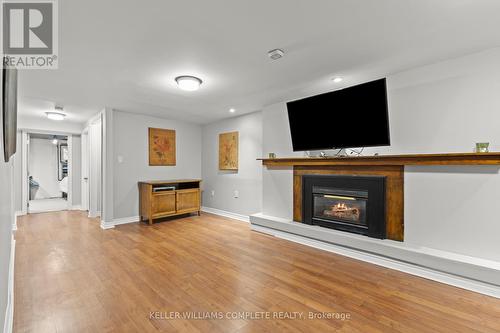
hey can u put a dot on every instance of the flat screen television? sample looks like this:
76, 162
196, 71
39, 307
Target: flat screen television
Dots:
352, 117
9, 111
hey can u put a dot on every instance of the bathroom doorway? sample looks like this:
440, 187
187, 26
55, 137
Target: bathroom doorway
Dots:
48, 172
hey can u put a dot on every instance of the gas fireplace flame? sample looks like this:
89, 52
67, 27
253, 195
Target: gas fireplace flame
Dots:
340, 206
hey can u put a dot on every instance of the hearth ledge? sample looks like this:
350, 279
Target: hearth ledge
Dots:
476, 274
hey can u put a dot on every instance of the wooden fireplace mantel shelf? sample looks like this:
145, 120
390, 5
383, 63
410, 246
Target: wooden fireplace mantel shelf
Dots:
401, 160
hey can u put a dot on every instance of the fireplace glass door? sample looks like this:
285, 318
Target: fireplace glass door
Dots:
340, 206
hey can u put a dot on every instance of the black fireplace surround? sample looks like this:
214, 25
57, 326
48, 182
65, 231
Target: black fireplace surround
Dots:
345, 202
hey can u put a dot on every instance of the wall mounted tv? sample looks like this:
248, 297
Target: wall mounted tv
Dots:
352, 117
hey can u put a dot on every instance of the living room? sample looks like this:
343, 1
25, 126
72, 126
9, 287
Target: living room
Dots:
242, 167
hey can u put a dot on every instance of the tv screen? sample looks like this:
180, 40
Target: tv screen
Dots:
352, 117
9, 111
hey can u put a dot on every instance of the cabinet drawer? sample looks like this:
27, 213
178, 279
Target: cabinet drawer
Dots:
188, 201
163, 203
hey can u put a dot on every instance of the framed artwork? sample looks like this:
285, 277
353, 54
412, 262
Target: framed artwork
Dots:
228, 151
161, 146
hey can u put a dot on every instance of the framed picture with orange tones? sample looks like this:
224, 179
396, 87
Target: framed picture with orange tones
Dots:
161, 147
228, 151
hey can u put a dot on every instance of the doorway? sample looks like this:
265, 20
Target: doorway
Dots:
48, 172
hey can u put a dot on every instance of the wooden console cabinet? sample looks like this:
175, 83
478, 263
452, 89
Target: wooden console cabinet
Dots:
165, 198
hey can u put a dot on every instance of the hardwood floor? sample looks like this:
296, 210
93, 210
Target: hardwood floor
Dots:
71, 276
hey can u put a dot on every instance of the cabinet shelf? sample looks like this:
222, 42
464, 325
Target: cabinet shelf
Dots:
166, 198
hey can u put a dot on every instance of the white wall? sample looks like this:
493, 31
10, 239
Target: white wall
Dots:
45, 124
247, 180
131, 145
444, 107
42, 165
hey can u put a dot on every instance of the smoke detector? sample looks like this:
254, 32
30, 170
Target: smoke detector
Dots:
276, 54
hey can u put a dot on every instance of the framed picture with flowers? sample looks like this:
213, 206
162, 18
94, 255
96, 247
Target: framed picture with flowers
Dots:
228, 151
161, 147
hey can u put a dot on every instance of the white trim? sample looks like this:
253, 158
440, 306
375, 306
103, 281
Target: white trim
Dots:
9, 311
107, 225
107, 164
16, 215
69, 198
403, 266
85, 168
123, 220
76, 207
95, 167
24, 168
126, 220
234, 216
24, 172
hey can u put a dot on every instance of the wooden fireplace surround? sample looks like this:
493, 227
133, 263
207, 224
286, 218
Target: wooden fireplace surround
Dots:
390, 166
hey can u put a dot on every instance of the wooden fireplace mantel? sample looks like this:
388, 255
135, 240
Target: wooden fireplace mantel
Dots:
402, 160
390, 166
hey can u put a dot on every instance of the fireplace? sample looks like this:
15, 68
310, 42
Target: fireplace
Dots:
348, 203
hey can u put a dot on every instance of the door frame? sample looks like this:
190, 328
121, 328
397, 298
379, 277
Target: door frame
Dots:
85, 188
95, 181
25, 146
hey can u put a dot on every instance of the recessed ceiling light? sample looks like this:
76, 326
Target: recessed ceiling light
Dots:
337, 79
232, 110
188, 83
55, 115
54, 141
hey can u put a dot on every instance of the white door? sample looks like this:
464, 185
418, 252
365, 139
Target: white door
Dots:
85, 169
95, 142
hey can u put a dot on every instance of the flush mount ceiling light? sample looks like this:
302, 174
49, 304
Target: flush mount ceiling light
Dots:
55, 115
232, 110
188, 83
337, 79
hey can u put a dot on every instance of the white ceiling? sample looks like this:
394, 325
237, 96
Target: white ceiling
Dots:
125, 54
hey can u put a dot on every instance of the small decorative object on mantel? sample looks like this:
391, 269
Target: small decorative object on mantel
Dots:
161, 147
228, 151
272, 155
482, 147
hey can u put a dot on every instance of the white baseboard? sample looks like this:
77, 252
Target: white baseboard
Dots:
107, 225
234, 216
124, 220
9, 312
14, 222
403, 266
76, 207
16, 215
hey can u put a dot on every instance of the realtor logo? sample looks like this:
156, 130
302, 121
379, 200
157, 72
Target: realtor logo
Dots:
30, 34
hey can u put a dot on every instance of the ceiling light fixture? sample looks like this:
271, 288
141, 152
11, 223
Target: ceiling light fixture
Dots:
188, 83
55, 115
54, 141
276, 54
337, 79
232, 110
